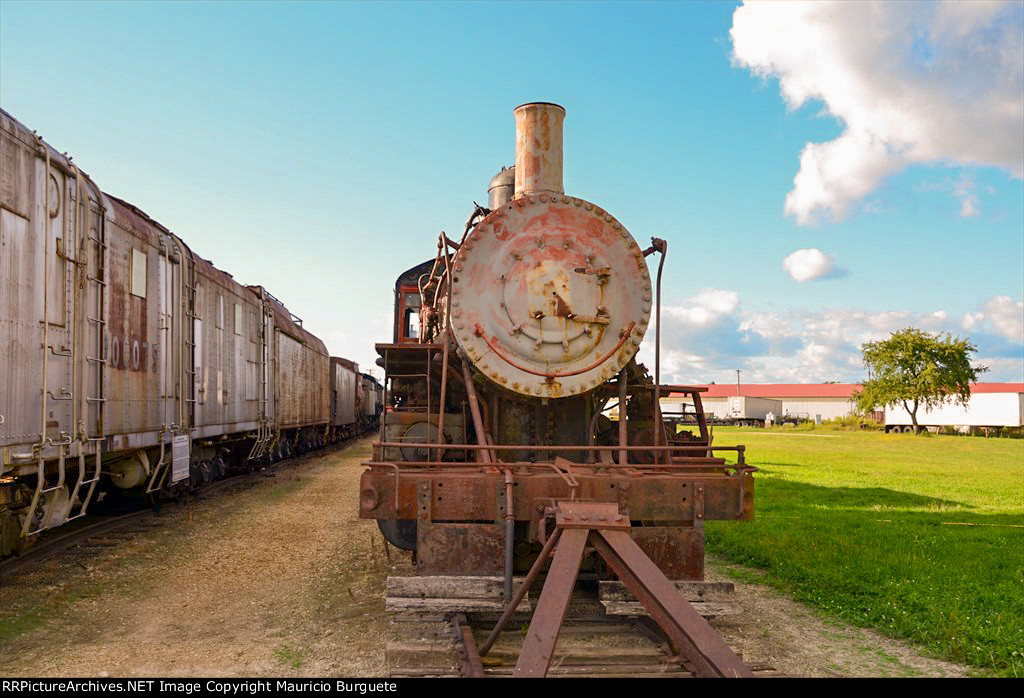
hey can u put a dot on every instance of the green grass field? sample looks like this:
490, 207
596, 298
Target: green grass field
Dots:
920, 537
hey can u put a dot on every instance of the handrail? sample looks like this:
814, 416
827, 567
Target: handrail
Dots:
583, 468
740, 449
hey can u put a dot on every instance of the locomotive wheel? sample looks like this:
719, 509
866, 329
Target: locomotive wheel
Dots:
401, 533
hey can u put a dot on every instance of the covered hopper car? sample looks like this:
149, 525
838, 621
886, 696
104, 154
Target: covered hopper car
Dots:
127, 362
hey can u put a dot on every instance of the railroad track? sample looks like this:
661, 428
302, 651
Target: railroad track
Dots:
604, 634
108, 532
105, 532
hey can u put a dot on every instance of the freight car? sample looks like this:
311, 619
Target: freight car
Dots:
353, 416
495, 450
127, 362
373, 403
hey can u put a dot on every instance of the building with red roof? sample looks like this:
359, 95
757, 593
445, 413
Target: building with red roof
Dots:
830, 400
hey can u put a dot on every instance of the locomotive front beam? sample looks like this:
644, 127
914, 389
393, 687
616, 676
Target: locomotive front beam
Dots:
460, 494
458, 513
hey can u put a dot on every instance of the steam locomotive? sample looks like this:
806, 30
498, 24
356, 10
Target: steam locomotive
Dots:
510, 350
129, 364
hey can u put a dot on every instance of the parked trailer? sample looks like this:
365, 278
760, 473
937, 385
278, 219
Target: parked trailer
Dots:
751, 411
988, 410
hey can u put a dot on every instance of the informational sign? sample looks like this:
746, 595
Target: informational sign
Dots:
180, 454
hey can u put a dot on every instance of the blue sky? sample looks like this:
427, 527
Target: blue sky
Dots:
318, 148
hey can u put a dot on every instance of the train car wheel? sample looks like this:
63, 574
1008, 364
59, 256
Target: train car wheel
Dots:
217, 469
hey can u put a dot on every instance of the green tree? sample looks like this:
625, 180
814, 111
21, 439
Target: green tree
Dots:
914, 368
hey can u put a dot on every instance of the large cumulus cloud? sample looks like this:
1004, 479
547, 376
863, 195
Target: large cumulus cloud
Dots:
911, 82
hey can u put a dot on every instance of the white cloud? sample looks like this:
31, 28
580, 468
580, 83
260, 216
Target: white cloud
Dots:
706, 307
1006, 316
970, 320
911, 83
964, 190
810, 263
710, 335
816, 354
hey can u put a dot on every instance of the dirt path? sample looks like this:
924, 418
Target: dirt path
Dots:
284, 580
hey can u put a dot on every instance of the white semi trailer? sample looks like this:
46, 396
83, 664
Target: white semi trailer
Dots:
752, 411
983, 411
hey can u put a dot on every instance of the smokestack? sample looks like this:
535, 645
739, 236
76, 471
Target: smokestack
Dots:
538, 148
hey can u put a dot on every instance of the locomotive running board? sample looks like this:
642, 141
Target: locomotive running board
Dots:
601, 526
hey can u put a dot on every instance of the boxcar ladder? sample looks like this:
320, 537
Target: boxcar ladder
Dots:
79, 356
265, 434
91, 352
